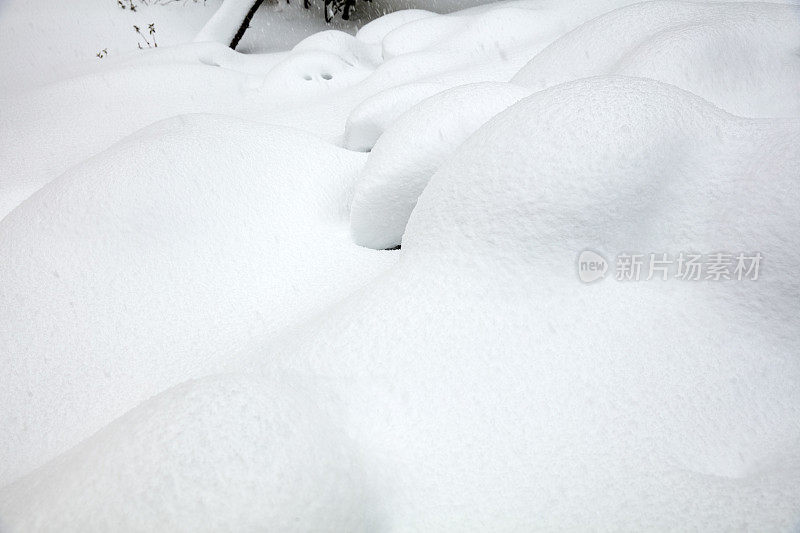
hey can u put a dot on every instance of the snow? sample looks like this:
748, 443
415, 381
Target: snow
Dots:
376, 31
408, 154
225, 22
176, 261
196, 335
266, 437
98, 110
367, 122
743, 58
550, 404
46, 41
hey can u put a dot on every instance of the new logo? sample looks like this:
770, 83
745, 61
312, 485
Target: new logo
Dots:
591, 266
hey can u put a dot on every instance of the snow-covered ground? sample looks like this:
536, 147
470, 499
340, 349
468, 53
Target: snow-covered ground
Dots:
204, 325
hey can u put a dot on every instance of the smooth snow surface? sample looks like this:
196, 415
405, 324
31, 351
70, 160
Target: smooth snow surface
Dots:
409, 153
367, 122
48, 40
497, 411
269, 440
744, 58
548, 404
47, 130
195, 334
171, 264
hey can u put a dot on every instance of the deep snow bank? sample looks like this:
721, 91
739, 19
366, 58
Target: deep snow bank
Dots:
498, 389
742, 57
411, 150
474, 384
367, 122
243, 454
314, 87
479, 382
745, 62
153, 262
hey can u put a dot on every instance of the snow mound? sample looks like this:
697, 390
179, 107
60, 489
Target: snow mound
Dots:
46, 131
477, 381
320, 65
315, 87
371, 117
496, 388
421, 34
643, 157
192, 340
217, 454
120, 280
344, 45
312, 74
501, 30
742, 57
374, 32
408, 154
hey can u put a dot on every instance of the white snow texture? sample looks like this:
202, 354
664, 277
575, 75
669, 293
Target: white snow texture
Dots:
202, 327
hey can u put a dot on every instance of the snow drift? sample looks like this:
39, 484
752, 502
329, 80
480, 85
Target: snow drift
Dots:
500, 390
134, 278
267, 456
314, 87
408, 154
194, 341
479, 382
367, 122
742, 57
